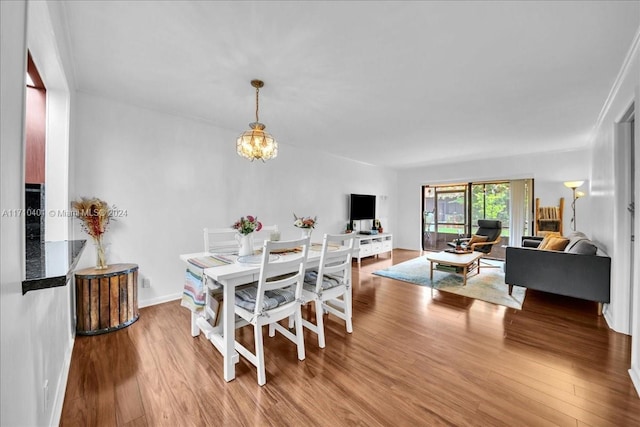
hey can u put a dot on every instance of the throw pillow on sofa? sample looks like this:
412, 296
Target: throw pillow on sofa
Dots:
547, 238
574, 238
583, 247
557, 244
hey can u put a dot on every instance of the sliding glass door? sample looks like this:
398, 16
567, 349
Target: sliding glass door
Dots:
454, 209
445, 213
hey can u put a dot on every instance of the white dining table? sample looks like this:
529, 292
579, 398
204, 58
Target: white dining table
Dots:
230, 276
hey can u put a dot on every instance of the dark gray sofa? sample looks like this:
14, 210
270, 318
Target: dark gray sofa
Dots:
582, 270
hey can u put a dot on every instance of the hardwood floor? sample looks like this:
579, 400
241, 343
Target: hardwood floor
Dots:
413, 359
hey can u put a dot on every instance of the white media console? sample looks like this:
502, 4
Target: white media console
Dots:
373, 244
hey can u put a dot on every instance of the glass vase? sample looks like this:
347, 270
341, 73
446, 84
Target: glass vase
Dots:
101, 254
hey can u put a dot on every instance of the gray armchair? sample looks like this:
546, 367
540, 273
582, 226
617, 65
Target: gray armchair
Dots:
492, 230
489, 228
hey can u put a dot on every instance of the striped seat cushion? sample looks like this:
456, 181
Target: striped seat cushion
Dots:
246, 298
311, 277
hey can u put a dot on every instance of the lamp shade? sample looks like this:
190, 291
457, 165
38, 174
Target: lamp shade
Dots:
573, 184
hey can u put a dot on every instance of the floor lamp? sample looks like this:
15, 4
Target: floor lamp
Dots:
573, 185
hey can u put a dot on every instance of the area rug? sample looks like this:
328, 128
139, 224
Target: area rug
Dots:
487, 286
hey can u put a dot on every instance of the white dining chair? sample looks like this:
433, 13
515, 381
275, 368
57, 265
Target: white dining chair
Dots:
275, 296
329, 287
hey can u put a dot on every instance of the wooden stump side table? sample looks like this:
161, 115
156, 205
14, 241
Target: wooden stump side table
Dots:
107, 299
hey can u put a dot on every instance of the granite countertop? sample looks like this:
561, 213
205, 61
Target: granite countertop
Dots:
49, 264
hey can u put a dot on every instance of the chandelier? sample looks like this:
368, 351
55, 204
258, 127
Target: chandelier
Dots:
256, 143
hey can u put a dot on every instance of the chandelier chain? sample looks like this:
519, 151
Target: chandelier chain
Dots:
256, 143
257, 92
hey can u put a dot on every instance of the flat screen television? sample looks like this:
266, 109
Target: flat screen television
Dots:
363, 206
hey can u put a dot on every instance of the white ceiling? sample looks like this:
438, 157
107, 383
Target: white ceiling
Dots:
394, 83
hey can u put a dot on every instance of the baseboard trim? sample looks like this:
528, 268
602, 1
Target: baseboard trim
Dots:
159, 300
634, 373
607, 316
56, 413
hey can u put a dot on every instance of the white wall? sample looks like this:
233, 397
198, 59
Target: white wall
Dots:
611, 198
36, 328
549, 170
174, 176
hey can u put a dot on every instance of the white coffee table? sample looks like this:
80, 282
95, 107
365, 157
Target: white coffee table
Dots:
469, 262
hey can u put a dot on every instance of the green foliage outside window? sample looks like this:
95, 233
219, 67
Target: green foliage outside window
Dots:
490, 201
